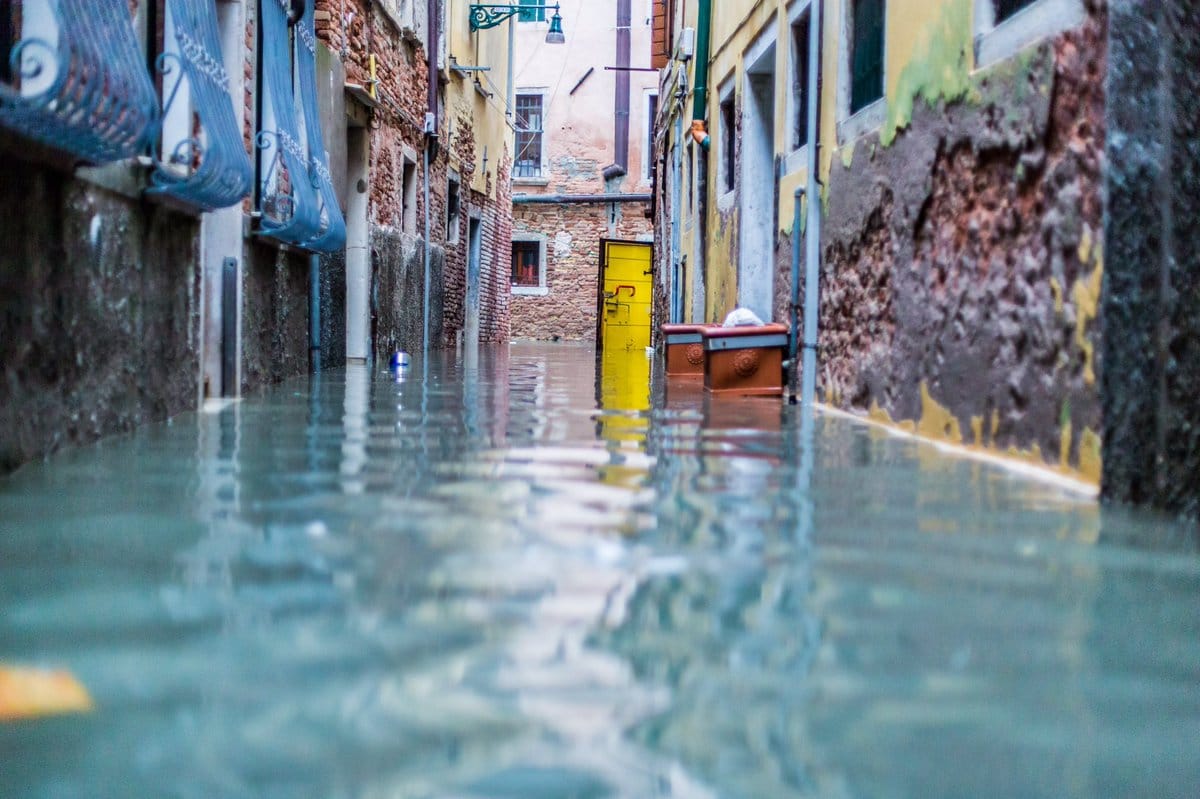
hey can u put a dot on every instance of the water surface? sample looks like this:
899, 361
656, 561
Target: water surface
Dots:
505, 579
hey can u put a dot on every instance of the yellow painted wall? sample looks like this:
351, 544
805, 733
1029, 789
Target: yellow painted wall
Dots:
491, 127
927, 52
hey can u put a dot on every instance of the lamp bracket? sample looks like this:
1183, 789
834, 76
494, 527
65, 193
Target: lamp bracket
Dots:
489, 15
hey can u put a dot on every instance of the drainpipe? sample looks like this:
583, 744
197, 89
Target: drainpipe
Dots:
812, 272
431, 144
794, 327
314, 312
621, 109
700, 96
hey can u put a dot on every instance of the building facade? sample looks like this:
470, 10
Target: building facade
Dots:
960, 149
254, 186
583, 117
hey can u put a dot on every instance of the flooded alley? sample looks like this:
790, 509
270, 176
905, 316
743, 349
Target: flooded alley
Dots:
501, 577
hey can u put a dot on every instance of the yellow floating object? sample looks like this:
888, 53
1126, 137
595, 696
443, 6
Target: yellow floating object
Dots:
27, 693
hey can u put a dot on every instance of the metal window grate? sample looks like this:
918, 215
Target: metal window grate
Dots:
77, 79
216, 171
866, 54
529, 113
728, 144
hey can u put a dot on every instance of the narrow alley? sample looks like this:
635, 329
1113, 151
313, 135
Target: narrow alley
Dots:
479, 581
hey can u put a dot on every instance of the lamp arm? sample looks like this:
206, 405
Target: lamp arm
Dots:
489, 15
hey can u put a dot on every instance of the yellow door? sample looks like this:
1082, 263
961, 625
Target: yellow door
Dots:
628, 289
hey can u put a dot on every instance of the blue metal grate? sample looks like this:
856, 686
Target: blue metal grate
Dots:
288, 199
332, 232
79, 83
209, 168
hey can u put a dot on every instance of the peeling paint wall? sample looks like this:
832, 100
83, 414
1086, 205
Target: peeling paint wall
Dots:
962, 239
962, 252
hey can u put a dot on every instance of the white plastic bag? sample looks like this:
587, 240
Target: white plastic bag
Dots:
742, 317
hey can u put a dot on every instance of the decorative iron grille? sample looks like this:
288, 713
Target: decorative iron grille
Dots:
287, 195
208, 167
331, 233
77, 80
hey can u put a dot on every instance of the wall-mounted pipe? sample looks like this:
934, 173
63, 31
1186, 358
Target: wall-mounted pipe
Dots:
579, 199
621, 102
812, 272
700, 95
794, 327
314, 312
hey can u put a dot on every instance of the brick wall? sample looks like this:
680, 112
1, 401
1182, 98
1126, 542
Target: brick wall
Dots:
355, 29
573, 234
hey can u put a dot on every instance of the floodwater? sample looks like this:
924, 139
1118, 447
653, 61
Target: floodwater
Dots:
472, 583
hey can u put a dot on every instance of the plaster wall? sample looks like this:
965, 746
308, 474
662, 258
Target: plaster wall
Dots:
962, 234
100, 308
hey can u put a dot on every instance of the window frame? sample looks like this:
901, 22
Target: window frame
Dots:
531, 14
453, 207
541, 93
538, 240
650, 107
997, 41
852, 125
727, 157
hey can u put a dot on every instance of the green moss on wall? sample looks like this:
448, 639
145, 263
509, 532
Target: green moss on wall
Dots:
942, 71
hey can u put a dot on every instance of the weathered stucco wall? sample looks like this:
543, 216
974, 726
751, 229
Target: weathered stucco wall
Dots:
274, 315
1151, 378
99, 304
963, 258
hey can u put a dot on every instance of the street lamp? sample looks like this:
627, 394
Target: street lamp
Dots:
489, 15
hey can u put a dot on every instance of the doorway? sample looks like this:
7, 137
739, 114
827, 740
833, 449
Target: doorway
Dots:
756, 252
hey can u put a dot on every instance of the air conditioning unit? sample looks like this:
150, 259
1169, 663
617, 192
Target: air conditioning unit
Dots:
685, 49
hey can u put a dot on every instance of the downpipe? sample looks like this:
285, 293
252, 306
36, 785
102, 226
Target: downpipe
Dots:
812, 231
314, 313
794, 327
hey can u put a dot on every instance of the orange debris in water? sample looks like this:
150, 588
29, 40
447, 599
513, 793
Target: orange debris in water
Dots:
27, 693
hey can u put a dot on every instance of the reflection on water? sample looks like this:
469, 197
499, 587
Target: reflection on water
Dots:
497, 578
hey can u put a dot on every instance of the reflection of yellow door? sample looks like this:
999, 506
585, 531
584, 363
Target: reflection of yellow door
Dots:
625, 305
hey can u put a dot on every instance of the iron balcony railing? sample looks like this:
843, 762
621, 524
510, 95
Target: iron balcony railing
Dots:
78, 81
204, 162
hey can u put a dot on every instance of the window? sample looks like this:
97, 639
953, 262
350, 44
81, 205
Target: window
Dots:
728, 143
1007, 8
529, 110
800, 57
526, 265
409, 197
866, 54
532, 14
648, 144
1005, 27
452, 208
